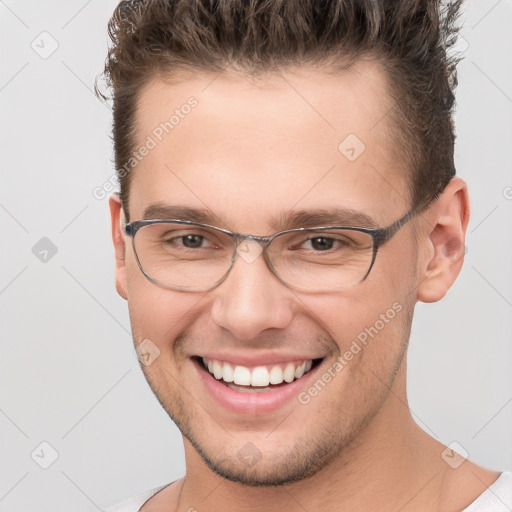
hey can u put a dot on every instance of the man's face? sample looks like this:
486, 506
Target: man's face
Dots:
250, 152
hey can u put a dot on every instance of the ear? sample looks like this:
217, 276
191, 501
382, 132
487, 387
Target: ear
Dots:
116, 214
442, 238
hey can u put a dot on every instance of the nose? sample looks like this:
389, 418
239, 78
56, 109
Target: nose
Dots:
251, 299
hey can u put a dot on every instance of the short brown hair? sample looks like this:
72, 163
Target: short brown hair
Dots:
152, 38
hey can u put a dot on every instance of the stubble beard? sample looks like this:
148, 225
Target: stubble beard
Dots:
308, 455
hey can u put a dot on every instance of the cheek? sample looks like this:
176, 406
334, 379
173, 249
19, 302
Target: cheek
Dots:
156, 313
371, 340
369, 323
347, 316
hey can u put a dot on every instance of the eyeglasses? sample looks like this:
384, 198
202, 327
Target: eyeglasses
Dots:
189, 256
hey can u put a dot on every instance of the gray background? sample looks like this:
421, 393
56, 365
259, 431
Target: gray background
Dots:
68, 373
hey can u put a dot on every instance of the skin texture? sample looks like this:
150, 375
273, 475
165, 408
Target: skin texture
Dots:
250, 151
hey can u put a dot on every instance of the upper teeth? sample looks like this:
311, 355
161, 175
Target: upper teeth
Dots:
259, 375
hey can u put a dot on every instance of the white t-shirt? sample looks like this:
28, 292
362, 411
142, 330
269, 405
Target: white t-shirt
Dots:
497, 498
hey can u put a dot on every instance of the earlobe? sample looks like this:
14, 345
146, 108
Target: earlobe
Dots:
119, 244
443, 239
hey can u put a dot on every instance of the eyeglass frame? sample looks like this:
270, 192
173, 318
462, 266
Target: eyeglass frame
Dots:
379, 237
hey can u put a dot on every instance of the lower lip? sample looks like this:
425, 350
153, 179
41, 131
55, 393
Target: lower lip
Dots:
248, 403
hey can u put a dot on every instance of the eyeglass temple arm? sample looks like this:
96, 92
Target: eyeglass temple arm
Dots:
384, 234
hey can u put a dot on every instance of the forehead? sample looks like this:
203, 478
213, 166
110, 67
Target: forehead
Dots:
249, 147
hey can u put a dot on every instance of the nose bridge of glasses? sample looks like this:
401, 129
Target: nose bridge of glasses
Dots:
249, 247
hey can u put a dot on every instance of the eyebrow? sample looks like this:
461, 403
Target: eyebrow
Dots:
164, 211
323, 217
293, 219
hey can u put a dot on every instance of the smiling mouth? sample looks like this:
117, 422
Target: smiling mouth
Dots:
257, 379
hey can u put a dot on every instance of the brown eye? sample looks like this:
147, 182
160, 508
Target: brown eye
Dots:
322, 243
192, 241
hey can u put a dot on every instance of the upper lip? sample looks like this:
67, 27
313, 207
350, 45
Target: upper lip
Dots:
260, 359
